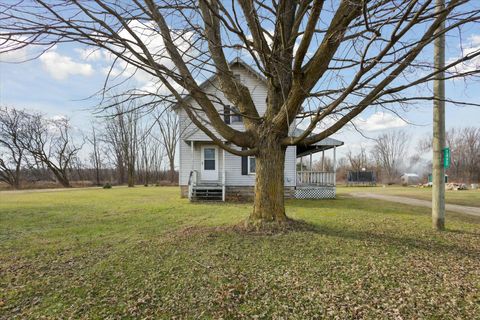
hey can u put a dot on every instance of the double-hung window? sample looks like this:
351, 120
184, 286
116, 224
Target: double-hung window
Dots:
235, 115
231, 115
251, 165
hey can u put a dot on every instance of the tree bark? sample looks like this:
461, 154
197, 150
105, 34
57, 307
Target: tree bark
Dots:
121, 171
269, 205
61, 178
97, 175
172, 170
131, 176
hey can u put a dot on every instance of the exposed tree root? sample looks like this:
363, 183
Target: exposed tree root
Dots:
249, 227
262, 227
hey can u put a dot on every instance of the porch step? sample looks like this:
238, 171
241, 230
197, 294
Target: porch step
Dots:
207, 193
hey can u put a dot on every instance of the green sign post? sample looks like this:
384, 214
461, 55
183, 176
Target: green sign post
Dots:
446, 158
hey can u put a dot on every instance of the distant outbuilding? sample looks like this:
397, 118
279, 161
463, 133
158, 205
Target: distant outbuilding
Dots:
410, 178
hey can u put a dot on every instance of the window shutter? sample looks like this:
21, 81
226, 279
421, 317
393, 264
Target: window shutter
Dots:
226, 114
244, 164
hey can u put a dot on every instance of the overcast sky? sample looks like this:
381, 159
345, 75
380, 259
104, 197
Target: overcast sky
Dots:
62, 81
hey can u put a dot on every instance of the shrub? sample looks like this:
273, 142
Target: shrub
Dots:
107, 186
167, 183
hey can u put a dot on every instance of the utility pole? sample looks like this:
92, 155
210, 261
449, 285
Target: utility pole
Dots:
438, 174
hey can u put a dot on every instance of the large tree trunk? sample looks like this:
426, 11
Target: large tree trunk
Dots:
97, 175
18, 172
172, 170
16, 183
61, 177
131, 176
269, 205
121, 174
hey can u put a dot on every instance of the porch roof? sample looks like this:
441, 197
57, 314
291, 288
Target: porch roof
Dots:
322, 145
328, 143
197, 135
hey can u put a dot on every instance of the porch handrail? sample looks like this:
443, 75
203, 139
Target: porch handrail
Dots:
317, 178
192, 181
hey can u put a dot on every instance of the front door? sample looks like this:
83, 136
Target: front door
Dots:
209, 163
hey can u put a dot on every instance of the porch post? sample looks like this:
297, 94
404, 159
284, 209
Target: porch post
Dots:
193, 155
223, 175
301, 170
311, 162
334, 165
323, 160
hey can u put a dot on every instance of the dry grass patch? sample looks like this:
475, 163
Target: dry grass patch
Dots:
145, 253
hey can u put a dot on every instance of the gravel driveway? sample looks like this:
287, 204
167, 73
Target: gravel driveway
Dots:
473, 211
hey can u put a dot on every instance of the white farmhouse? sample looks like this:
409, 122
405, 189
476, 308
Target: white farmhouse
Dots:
207, 172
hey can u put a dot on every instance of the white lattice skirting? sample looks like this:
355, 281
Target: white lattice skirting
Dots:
315, 193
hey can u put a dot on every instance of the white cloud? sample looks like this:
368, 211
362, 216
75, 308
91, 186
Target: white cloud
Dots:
326, 123
470, 65
59, 117
152, 39
112, 72
475, 40
268, 34
379, 121
61, 67
90, 54
14, 50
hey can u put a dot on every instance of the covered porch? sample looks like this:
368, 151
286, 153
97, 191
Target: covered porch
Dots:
317, 179
206, 166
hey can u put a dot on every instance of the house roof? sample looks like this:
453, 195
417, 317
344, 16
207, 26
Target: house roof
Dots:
211, 79
410, 175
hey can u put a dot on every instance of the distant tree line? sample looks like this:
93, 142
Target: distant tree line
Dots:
387, 158
464, 144
123, 146
390, 156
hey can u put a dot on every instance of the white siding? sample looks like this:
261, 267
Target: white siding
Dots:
233, 166
233, 171
186, 160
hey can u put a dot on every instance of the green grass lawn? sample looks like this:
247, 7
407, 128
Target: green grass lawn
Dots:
145, 253
462, 197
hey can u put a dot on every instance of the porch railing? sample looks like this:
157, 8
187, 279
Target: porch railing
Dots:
192, 182
315, 178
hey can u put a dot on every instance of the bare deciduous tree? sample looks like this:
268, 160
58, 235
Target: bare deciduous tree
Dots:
128, 122
169, 126
389, 152
323, 165
150, 156
122, 136
321, 60
359, 160
12, 155
114, 147
464, 144
470, 157
51, 143
96, 157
